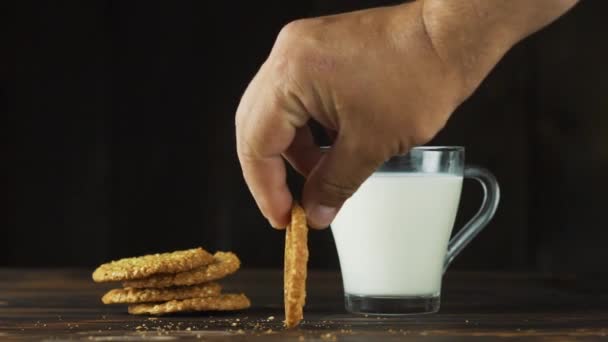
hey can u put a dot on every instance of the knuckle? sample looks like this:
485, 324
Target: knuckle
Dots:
245, 151
293, 31
370, 153
286, 58
403, 147
423, 133
294, 43
422, 136
369, 157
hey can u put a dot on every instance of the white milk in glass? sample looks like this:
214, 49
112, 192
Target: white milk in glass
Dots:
392, 234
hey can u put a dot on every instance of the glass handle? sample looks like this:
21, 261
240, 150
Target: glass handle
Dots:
491, 197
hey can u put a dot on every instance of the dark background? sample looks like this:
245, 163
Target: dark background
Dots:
118, 135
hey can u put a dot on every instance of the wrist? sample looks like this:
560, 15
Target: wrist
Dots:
471, 42
471, 36
459, 43
410, 31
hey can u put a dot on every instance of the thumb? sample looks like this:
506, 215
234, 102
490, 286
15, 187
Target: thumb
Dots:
338, 174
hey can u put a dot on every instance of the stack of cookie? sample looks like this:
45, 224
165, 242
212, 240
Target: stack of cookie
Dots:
172, 282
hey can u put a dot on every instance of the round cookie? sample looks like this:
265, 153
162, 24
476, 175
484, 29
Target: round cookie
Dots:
147, 265
132, 295
225, 302
225, 263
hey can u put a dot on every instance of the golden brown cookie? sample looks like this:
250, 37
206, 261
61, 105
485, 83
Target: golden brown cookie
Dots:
147, 265
224, 264
225, 302
131, 295
296, 258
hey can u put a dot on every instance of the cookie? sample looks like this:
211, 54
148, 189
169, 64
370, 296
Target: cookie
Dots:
131, 295
296, 259
225, 302
148, 265
224, 264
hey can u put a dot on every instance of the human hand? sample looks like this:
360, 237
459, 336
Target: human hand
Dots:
384, 80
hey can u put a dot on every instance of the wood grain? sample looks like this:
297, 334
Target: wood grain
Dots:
65, 304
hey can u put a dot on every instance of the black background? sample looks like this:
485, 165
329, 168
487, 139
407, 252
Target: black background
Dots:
118, 135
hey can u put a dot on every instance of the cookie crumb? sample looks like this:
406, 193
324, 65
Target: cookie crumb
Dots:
329, 337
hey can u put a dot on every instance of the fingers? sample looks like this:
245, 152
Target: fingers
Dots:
266, 179
303, 154
338, 174
264, 131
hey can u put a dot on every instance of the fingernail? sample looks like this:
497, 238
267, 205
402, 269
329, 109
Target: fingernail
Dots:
276, 225
320, 216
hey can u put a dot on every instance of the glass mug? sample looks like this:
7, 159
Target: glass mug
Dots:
393, 234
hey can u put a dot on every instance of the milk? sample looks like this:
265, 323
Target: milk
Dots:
392, 234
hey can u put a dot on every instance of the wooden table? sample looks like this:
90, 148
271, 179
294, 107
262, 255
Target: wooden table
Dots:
64, 305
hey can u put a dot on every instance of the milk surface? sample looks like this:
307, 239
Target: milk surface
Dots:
392, 234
